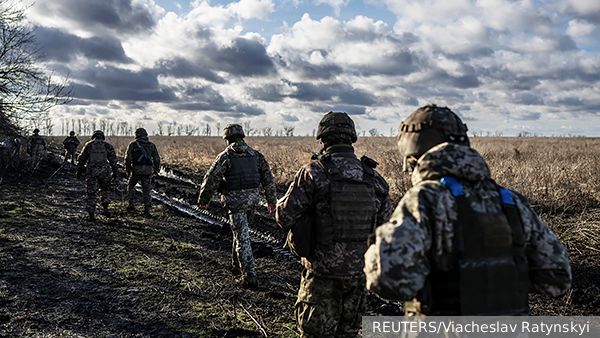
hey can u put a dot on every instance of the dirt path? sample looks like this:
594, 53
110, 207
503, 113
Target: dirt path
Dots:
125, 275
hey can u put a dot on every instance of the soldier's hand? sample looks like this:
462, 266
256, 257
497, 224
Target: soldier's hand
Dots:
203, 205
271, 208
306, 263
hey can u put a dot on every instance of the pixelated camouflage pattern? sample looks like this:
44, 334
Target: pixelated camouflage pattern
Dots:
310, 190
420, 232
240, 203
233, 130
241, 246
70, 144
36, 148
329, 307
246, 198
98, 174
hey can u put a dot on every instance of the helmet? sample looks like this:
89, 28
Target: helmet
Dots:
72, 133
336, 123
141, 132
98, 134
36, 131
427, 127
233, 130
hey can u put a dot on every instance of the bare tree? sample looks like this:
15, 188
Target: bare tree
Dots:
161, 126
26, 90
218, 128
207, 130
267, 131
288, 131
373, 132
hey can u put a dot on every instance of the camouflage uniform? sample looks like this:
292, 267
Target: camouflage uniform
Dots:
239, 203
141, 161
36, 148
70, 144
419, 237
9, 154
99, 161
332, 296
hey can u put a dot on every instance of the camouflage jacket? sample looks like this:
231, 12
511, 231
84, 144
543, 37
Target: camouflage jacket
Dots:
420, 234
71, 143
240, 199
310, 190
150, 150
95, 169
36, 142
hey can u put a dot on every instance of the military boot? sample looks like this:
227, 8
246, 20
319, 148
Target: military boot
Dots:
105, 211
248, 282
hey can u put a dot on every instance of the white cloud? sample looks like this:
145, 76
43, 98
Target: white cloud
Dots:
335, 4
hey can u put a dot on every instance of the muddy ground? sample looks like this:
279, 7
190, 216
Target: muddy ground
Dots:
124, 275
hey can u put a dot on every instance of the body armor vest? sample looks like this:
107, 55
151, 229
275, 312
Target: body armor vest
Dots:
141, 154
243, 173
353, 207
37, 141
98, 153
490, 272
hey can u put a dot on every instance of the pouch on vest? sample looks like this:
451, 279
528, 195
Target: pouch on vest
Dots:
353, 207
98, 153
490, 276
243, 173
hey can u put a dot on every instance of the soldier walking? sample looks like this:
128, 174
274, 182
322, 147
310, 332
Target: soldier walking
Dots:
36, 148
458, 243
238, 173
141, 162
343, 198
70, 144
97, 162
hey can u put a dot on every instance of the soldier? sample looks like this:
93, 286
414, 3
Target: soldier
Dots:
96, 161
70, 144
238, 172
343, 198
9, 153
36, 148
459, 244
141, 162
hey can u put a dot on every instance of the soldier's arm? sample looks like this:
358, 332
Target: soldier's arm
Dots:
266, 179
83, 157
382, 190
65, 141
155, 158
213, 178
397, 265
297, 200
128, 160
548, 259
111, 156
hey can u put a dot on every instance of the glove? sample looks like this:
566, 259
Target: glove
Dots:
203, 205
271, 208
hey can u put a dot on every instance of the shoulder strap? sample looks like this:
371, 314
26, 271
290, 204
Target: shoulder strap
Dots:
456, 188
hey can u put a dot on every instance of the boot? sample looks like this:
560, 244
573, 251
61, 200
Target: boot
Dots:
91, 216
105, 211
248, 282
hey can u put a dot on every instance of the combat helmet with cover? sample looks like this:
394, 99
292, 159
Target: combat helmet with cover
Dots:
232, 131
141, 132
72, 133
427, 127
336, 123
98, 134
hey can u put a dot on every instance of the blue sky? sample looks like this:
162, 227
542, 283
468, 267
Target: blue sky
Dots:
505, 66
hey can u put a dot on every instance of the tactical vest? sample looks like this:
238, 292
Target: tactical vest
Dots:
98, 153
37, 141
353, 206
490, 272
243, 173
141, 154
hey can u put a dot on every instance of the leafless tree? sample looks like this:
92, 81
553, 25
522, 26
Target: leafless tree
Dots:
267, 131
288, 131
207, 130
161, 126
373, 132
26, 89
218, 128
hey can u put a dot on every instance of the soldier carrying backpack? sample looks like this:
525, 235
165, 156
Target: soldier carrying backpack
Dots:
141, 162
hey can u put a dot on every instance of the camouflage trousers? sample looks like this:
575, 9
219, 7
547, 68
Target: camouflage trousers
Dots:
146, 182
241, 247
70, 156
329, 307
37, 155
92, 184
